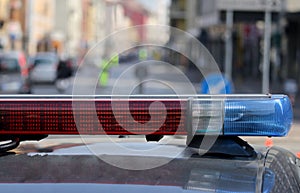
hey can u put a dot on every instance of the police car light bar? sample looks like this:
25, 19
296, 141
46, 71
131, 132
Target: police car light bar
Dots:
228, 115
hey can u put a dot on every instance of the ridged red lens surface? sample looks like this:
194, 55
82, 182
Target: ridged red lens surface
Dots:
58, 117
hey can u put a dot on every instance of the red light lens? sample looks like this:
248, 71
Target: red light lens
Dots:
43, 116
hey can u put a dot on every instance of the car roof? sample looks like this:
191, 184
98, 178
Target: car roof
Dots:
78, 164
50, 54
13, 54
61, 163
46, 55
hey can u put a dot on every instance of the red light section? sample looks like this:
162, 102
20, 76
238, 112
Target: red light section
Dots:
57, 117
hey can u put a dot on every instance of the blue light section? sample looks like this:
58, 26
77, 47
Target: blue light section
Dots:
258, 117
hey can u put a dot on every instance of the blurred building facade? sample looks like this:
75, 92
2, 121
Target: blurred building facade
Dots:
183, 14
26, 23
67, 33
4, 17
209, 19
12, 24
71, 27
41, 14
247, 36
292, 31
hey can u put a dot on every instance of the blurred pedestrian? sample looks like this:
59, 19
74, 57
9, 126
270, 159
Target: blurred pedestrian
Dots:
143, 55
64, 69
105, 67
63, 73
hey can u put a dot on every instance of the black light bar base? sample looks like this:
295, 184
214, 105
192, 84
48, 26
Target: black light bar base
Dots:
230, 146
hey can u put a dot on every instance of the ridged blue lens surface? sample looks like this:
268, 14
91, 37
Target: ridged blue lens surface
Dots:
258, 117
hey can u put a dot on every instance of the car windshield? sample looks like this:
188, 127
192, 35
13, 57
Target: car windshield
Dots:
43, 61
9, 65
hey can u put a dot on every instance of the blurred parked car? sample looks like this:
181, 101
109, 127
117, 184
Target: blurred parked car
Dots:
14, 73
44, 67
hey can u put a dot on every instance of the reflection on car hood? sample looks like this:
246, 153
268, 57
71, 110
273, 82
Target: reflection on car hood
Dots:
185, 172
124, 149
90, 188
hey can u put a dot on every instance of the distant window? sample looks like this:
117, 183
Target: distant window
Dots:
39, 62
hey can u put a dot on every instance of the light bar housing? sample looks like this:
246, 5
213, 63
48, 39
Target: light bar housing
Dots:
267, 115
229, 115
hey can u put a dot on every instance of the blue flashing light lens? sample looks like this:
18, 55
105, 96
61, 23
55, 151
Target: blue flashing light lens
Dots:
265, 116
258, 117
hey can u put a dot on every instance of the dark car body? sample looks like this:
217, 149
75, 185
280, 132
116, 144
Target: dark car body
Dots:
13, 73
73, 168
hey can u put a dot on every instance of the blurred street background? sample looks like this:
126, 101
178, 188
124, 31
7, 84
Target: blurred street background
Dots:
255, 43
